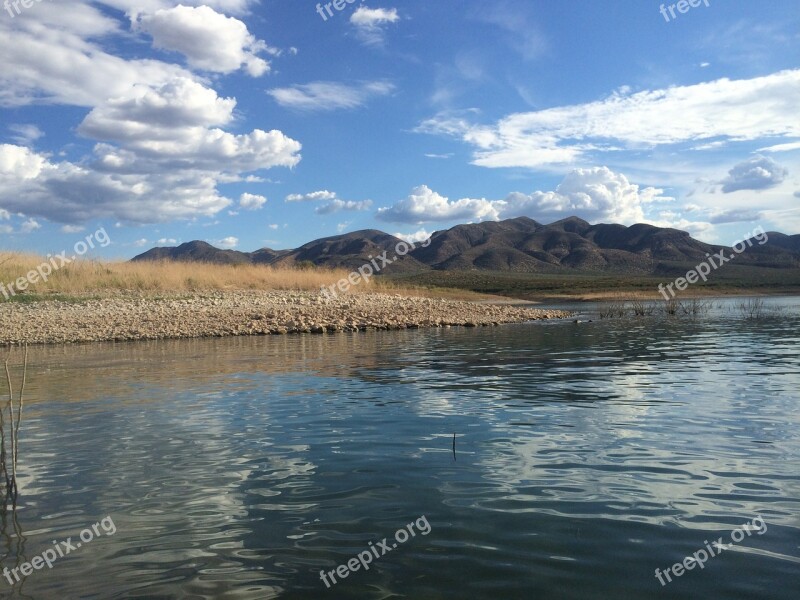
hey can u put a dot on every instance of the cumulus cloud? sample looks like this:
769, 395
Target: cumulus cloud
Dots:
29, 225
596, 194
723, 110
424, 205
311, 197
333, 203
227, 243
338, 205
757, 173
209, 40
329, 95
72, 228
251, 201
592, 194
167, 242
49, 57
162, 155
371, 23
417, 236
162, 146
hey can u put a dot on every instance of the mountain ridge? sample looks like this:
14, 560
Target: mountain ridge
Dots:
516, 245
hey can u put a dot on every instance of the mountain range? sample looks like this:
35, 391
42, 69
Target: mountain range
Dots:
514, 245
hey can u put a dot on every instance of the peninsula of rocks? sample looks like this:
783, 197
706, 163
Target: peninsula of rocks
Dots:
218, 314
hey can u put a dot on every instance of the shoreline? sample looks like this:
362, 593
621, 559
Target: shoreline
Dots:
223, 314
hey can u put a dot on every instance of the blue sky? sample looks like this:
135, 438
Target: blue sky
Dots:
252, 124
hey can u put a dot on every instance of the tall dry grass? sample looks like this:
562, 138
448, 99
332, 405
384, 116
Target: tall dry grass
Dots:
99, 277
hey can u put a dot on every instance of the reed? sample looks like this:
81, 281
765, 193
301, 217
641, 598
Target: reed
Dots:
98, 277
13, 426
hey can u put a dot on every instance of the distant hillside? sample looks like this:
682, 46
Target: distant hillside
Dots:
348, 251
515, 245
196, 252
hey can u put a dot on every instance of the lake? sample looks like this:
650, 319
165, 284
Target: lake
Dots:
586, 457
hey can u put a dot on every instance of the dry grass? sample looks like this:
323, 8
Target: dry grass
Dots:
100, 278
89, 276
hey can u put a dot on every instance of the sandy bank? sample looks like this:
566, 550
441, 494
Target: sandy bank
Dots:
242, 313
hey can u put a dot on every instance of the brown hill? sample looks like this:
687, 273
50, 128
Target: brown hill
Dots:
515, 245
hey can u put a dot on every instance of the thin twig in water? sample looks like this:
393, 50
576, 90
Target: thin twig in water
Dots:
3, 468
12, 487
19, 411
454, 447
13, 482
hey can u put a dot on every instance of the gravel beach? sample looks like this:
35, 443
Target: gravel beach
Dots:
220, 314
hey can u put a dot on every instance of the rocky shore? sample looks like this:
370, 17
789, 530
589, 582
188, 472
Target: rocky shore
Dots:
241, 313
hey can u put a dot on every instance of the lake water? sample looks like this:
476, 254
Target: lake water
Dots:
587, 456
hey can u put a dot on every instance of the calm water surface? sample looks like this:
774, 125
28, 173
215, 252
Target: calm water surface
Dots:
587, 456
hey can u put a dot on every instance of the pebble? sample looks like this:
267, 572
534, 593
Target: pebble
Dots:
134, 317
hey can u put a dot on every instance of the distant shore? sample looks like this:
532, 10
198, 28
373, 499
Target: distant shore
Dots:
218, 314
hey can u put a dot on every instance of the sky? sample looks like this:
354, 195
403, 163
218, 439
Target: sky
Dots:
269, 124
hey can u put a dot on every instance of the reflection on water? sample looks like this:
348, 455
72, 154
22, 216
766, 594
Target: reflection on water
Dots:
588, 456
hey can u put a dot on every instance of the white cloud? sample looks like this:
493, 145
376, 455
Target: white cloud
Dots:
209, 40
140, 243
418, 236
29, 225
312, 197
167, 242
781, 147
757, 173
273, 226
370, 23
25, 134
48, 58
227, 243
733, 110
251, 201
161, 158
329, 95
72, 229
4, 215
596, 194
338, 205
163, 149
333, 203
424, 205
